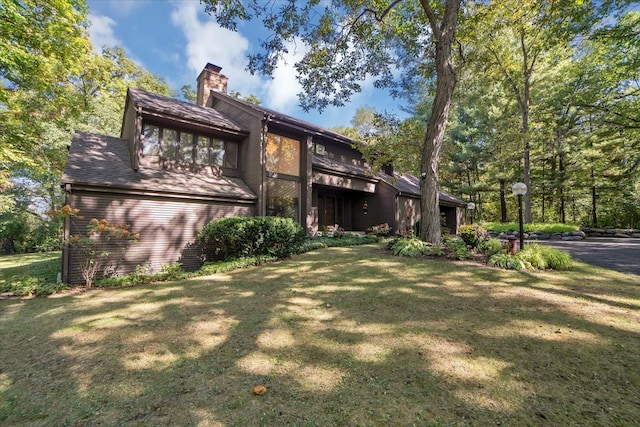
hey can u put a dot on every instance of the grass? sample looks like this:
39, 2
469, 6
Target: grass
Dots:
43, 264
339, 336
530, 228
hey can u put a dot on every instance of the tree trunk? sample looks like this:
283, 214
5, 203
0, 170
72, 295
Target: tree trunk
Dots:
434, 135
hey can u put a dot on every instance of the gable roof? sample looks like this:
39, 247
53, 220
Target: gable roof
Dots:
183, 110
104, 161
410, 185
283, 119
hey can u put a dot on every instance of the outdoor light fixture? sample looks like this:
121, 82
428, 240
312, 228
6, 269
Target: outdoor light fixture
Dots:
365, 208
520, 189
471, 206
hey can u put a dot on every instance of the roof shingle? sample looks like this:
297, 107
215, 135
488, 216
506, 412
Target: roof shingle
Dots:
98, 160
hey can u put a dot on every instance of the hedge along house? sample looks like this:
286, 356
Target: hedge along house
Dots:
177, 166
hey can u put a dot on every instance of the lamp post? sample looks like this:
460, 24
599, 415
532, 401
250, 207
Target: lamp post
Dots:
471, 206
520, 189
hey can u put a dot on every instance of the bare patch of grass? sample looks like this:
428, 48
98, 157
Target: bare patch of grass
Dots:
340, 336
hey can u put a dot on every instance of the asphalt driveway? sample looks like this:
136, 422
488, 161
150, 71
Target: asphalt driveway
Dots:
613, 253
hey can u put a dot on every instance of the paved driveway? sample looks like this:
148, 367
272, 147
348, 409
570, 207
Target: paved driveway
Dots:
616, 254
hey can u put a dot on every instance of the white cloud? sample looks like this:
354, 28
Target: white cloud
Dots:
282, 91
208, 42
101, 32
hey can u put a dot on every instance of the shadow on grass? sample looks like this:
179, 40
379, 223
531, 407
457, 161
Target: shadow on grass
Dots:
342, 336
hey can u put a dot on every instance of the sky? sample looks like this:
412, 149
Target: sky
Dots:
175, 39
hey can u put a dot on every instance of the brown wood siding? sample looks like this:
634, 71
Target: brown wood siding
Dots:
250, 150
167, 227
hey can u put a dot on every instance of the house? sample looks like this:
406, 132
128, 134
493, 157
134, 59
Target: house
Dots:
178, 165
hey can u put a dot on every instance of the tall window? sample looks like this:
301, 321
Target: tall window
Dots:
283, 183
172, 147
283, 155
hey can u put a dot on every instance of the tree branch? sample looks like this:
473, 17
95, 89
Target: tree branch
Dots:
375, 12
433, 22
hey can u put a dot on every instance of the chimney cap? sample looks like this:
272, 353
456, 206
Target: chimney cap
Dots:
212, 67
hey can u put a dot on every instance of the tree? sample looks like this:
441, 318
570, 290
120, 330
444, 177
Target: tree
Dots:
520, 40
348, 41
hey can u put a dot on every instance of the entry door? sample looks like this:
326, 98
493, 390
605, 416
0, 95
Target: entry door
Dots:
329, 210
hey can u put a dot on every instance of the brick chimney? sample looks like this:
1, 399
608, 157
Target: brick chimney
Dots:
208, 80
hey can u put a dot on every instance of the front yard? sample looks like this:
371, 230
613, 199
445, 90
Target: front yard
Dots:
339, 336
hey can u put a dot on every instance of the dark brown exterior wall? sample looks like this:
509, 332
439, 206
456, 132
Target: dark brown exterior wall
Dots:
341, 153
250, 154
167, 227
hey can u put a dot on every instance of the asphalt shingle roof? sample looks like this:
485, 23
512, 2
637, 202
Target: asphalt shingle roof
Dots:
98, 160
183, 110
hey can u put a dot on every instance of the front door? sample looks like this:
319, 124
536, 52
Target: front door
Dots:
329, 213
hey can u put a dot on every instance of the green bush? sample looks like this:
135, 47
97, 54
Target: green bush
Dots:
235, 237
556, 259
472, 234
28, 285
534, 255
456, 248
490, 247
414, 247
508, 261
380, 230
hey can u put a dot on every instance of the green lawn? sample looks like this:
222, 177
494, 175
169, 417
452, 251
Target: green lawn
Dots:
43, 262
339, 336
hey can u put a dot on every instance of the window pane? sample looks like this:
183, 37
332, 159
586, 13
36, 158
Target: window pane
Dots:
186, 147
202, 150
217, 152
169, 144
283, 198
231, 155
150, 141
283, 155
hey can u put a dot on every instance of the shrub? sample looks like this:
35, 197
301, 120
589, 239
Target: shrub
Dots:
380, 230
456, 248
414, 247
234, 237
472, 234
556, 259
490, 247
508, 261
534, 255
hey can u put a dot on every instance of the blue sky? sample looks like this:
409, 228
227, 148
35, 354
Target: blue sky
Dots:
175, 39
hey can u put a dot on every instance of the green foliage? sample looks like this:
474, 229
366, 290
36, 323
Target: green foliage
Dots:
414, 247
380, 230
143, 274
349, 239
555, 258
234, 237
508, 261
533, 257
456, 248
472, 234
38, 279
490, 247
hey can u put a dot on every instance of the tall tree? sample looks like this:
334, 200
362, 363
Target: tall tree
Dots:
519, 39
348, 41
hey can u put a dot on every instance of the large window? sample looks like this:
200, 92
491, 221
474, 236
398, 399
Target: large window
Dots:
171, 148
283, 183
283, 198
283, 155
